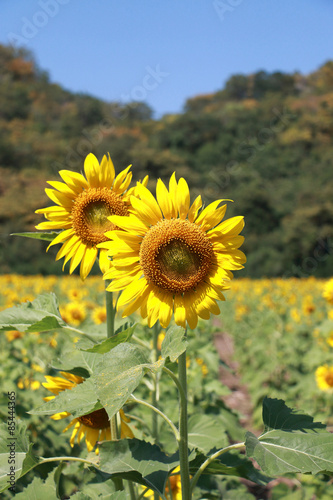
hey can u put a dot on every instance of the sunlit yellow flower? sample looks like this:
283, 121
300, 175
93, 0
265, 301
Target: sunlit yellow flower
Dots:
99, 315
28, 383
308, 305
73, 313
203, 366
328, 291
13, 334
324, 377
172, 257
95, 426
173, 484
83, 205
330, 339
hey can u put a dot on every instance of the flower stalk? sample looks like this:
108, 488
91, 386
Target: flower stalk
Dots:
183, 430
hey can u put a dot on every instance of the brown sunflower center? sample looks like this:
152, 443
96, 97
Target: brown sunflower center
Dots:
329, 378
96, 420
90, 214
176, 255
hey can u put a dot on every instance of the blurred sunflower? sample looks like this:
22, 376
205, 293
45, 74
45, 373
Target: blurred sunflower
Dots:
328, 291
83, 205
324, 377
95, 426
173, 483
170, 257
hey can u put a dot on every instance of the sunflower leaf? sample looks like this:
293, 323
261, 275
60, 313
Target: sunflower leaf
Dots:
230, 464
48, 236
78, 401
206, 433
174, 343
279, 452
133, 455
277, 415
15, 447
110, 343
40, 315
118, 374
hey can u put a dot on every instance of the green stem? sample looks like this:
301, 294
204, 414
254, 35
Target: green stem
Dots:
131, 490
183, 441
209, 460
68, 459
159, 412
155, 395
110, 320
155, 392
110, 311
176, 381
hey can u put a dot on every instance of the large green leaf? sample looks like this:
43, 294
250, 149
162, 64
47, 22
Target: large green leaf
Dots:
80, 400
48, 236
24, 460
40, 315
108, 344
38, 489
133, 455
78, 362
292, 443
118, 375
277, 415
279, 452
230, 464
174, 343
206, 433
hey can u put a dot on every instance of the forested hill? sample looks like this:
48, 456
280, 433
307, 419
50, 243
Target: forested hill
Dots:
264, 140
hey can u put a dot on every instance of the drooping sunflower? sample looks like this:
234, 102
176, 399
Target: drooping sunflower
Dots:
324, 377
170, 257
83, 205
95, 426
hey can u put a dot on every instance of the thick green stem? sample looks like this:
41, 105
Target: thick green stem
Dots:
110, 320
210, 459
155, 395
183, 440
155, 392
110, 311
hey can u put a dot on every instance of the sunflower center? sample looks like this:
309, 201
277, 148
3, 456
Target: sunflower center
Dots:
96, 420
176, 255
90, 214
329, 379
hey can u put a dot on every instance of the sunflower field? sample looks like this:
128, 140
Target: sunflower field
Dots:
281, 336
162, 377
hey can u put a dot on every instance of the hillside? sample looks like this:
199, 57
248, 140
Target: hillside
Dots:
264, 140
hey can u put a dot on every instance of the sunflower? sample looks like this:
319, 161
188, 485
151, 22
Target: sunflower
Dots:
173, 483
95, 426
328, 291
83, 205
172, 257
324, 377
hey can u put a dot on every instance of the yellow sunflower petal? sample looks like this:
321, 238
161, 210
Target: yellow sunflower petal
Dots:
88, 261
74, 180
92, 169
163, 199
183, 198
91, 437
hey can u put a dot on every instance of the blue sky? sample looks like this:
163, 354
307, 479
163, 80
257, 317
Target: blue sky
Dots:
164, 51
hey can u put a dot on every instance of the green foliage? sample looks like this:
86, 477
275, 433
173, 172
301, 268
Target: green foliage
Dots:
264, 140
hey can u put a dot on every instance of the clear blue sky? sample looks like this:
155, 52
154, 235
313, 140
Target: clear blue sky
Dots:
164, 51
